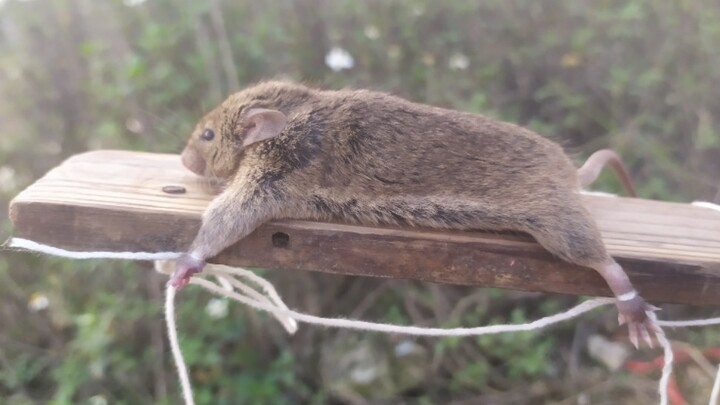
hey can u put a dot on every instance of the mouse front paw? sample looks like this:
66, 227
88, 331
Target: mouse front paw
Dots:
185, 267
640, 318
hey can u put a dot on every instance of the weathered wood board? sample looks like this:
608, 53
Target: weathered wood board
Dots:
113, 200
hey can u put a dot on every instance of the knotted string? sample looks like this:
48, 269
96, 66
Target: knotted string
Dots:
268, 300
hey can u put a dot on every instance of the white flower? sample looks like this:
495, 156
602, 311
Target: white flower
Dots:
134, 125
7, 179
217, 308
364, 375
405, 348
372, 32
338, 59
458, 62
98, 400
133, 3
38, 302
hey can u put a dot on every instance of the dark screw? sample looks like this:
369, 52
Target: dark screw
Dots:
174, 189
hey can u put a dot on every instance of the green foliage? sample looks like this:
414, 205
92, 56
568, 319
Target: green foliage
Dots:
638, 76
534, 350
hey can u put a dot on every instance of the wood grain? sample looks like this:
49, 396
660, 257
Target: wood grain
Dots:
113, 200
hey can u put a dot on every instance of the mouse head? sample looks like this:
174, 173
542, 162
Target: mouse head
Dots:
219, 139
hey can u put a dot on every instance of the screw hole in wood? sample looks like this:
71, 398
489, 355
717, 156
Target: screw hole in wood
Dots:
280, 240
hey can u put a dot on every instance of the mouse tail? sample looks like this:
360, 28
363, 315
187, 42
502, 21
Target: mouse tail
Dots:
590, 171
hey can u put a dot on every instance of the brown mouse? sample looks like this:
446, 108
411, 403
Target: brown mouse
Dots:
289, 151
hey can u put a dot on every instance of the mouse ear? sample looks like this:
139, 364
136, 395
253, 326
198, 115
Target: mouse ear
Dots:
263, 124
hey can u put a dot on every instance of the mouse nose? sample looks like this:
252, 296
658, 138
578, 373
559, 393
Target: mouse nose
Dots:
193, 161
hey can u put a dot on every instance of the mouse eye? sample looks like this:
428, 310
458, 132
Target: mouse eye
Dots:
208, 135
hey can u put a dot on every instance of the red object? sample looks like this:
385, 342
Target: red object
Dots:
681, 356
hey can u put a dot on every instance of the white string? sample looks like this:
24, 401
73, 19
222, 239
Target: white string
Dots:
272, 303
266, 285
598, 193
706, 204
689, 323
271, 297
175, 346
628, 296
224, 282
405, 330
715, 395
19, 243
225, 276
667, 366
418, 331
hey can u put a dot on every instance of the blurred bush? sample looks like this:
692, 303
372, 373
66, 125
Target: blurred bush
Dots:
639, 76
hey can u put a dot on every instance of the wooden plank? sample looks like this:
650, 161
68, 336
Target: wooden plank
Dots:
113, 200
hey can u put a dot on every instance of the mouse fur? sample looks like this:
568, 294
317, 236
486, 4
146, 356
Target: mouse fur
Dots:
372, 158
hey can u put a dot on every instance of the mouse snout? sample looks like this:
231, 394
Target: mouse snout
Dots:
193, 161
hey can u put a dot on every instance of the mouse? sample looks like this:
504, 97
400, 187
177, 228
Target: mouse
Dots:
286, 150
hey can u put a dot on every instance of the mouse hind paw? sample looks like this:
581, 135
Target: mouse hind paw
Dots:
641, 320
